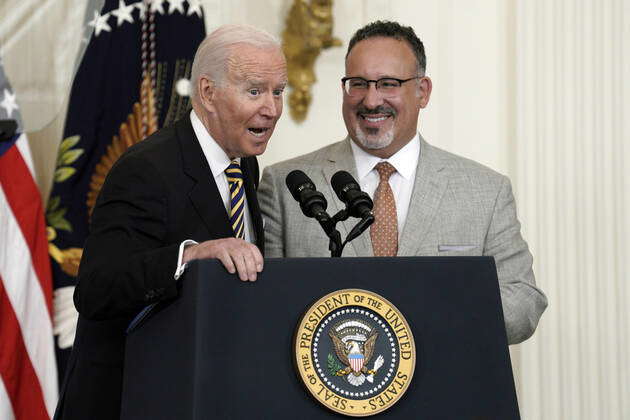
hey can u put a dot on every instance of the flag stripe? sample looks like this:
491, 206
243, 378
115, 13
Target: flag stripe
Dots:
6, 410
25, 295
25, 152
20, 381
356, 362
26, 205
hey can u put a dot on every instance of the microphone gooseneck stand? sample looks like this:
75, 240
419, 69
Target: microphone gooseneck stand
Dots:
336, 246
313, 204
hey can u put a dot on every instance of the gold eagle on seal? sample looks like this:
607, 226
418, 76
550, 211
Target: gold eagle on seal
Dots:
354, 341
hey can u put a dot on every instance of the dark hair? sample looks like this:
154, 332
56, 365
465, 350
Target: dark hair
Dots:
384, 28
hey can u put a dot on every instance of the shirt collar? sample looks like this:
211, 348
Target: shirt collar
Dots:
405, 160
215, 155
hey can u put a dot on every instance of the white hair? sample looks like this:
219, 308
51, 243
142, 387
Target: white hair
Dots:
214, 51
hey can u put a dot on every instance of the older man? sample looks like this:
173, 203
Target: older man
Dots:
426, 201
186, 192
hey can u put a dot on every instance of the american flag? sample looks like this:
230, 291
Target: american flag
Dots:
28, 373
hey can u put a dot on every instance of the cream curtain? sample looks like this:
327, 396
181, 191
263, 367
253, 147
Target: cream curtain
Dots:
572, 166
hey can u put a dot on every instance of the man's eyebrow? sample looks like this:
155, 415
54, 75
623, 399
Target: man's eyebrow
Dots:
254, 81
259, 82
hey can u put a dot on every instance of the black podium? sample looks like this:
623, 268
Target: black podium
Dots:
224, 348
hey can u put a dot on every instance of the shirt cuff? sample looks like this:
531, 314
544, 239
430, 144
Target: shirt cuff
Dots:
181, 267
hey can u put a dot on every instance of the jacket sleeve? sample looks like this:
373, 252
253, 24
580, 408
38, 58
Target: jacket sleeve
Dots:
271, 210
523, 303
126, 263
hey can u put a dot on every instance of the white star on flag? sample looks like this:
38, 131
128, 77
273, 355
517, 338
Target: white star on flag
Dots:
176, 5
157, 6
100, 23
194, 6
123, 13
8, 103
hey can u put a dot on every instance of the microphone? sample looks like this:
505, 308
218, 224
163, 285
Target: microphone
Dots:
358, 203
312, 202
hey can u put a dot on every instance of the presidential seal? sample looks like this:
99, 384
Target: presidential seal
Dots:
355, 352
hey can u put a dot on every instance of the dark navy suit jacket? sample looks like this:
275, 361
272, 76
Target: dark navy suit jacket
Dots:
159, 193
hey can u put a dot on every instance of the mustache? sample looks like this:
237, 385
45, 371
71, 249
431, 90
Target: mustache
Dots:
378, 110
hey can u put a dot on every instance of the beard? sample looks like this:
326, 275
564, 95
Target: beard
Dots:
374, 138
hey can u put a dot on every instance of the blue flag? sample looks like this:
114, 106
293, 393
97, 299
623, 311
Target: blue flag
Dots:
132, 80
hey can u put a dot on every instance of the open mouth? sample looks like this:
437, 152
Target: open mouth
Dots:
374, 120
258, 131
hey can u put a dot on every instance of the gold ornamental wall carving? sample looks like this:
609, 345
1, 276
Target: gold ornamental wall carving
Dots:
308, 31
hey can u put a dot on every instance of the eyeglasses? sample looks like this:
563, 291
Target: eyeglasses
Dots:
387, 86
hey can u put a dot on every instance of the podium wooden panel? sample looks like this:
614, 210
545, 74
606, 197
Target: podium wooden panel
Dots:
224, 348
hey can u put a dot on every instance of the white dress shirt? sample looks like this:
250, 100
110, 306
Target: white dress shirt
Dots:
405, 161
218, 161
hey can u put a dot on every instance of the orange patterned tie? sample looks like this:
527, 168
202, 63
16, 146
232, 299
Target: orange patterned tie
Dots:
384, 230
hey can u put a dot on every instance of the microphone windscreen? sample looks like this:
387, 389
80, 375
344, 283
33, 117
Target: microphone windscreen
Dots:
341, 182
295, 180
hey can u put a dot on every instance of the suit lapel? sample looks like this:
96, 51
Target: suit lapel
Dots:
340, 158
428, 189
249, 166
204, 194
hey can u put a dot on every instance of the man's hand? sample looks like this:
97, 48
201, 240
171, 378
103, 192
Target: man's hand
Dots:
236, 255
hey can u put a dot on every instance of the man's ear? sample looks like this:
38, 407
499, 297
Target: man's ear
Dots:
206, 89
424, 91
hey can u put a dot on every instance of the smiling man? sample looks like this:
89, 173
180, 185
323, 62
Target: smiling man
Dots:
186, 192
426, 201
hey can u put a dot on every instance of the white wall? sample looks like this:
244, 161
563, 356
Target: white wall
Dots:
467, 55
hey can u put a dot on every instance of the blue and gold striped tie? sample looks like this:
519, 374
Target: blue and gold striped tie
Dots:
237, 198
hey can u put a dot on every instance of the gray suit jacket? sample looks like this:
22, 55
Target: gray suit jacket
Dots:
458, 207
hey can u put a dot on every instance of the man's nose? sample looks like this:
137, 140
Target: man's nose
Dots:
372, 97
272, 107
